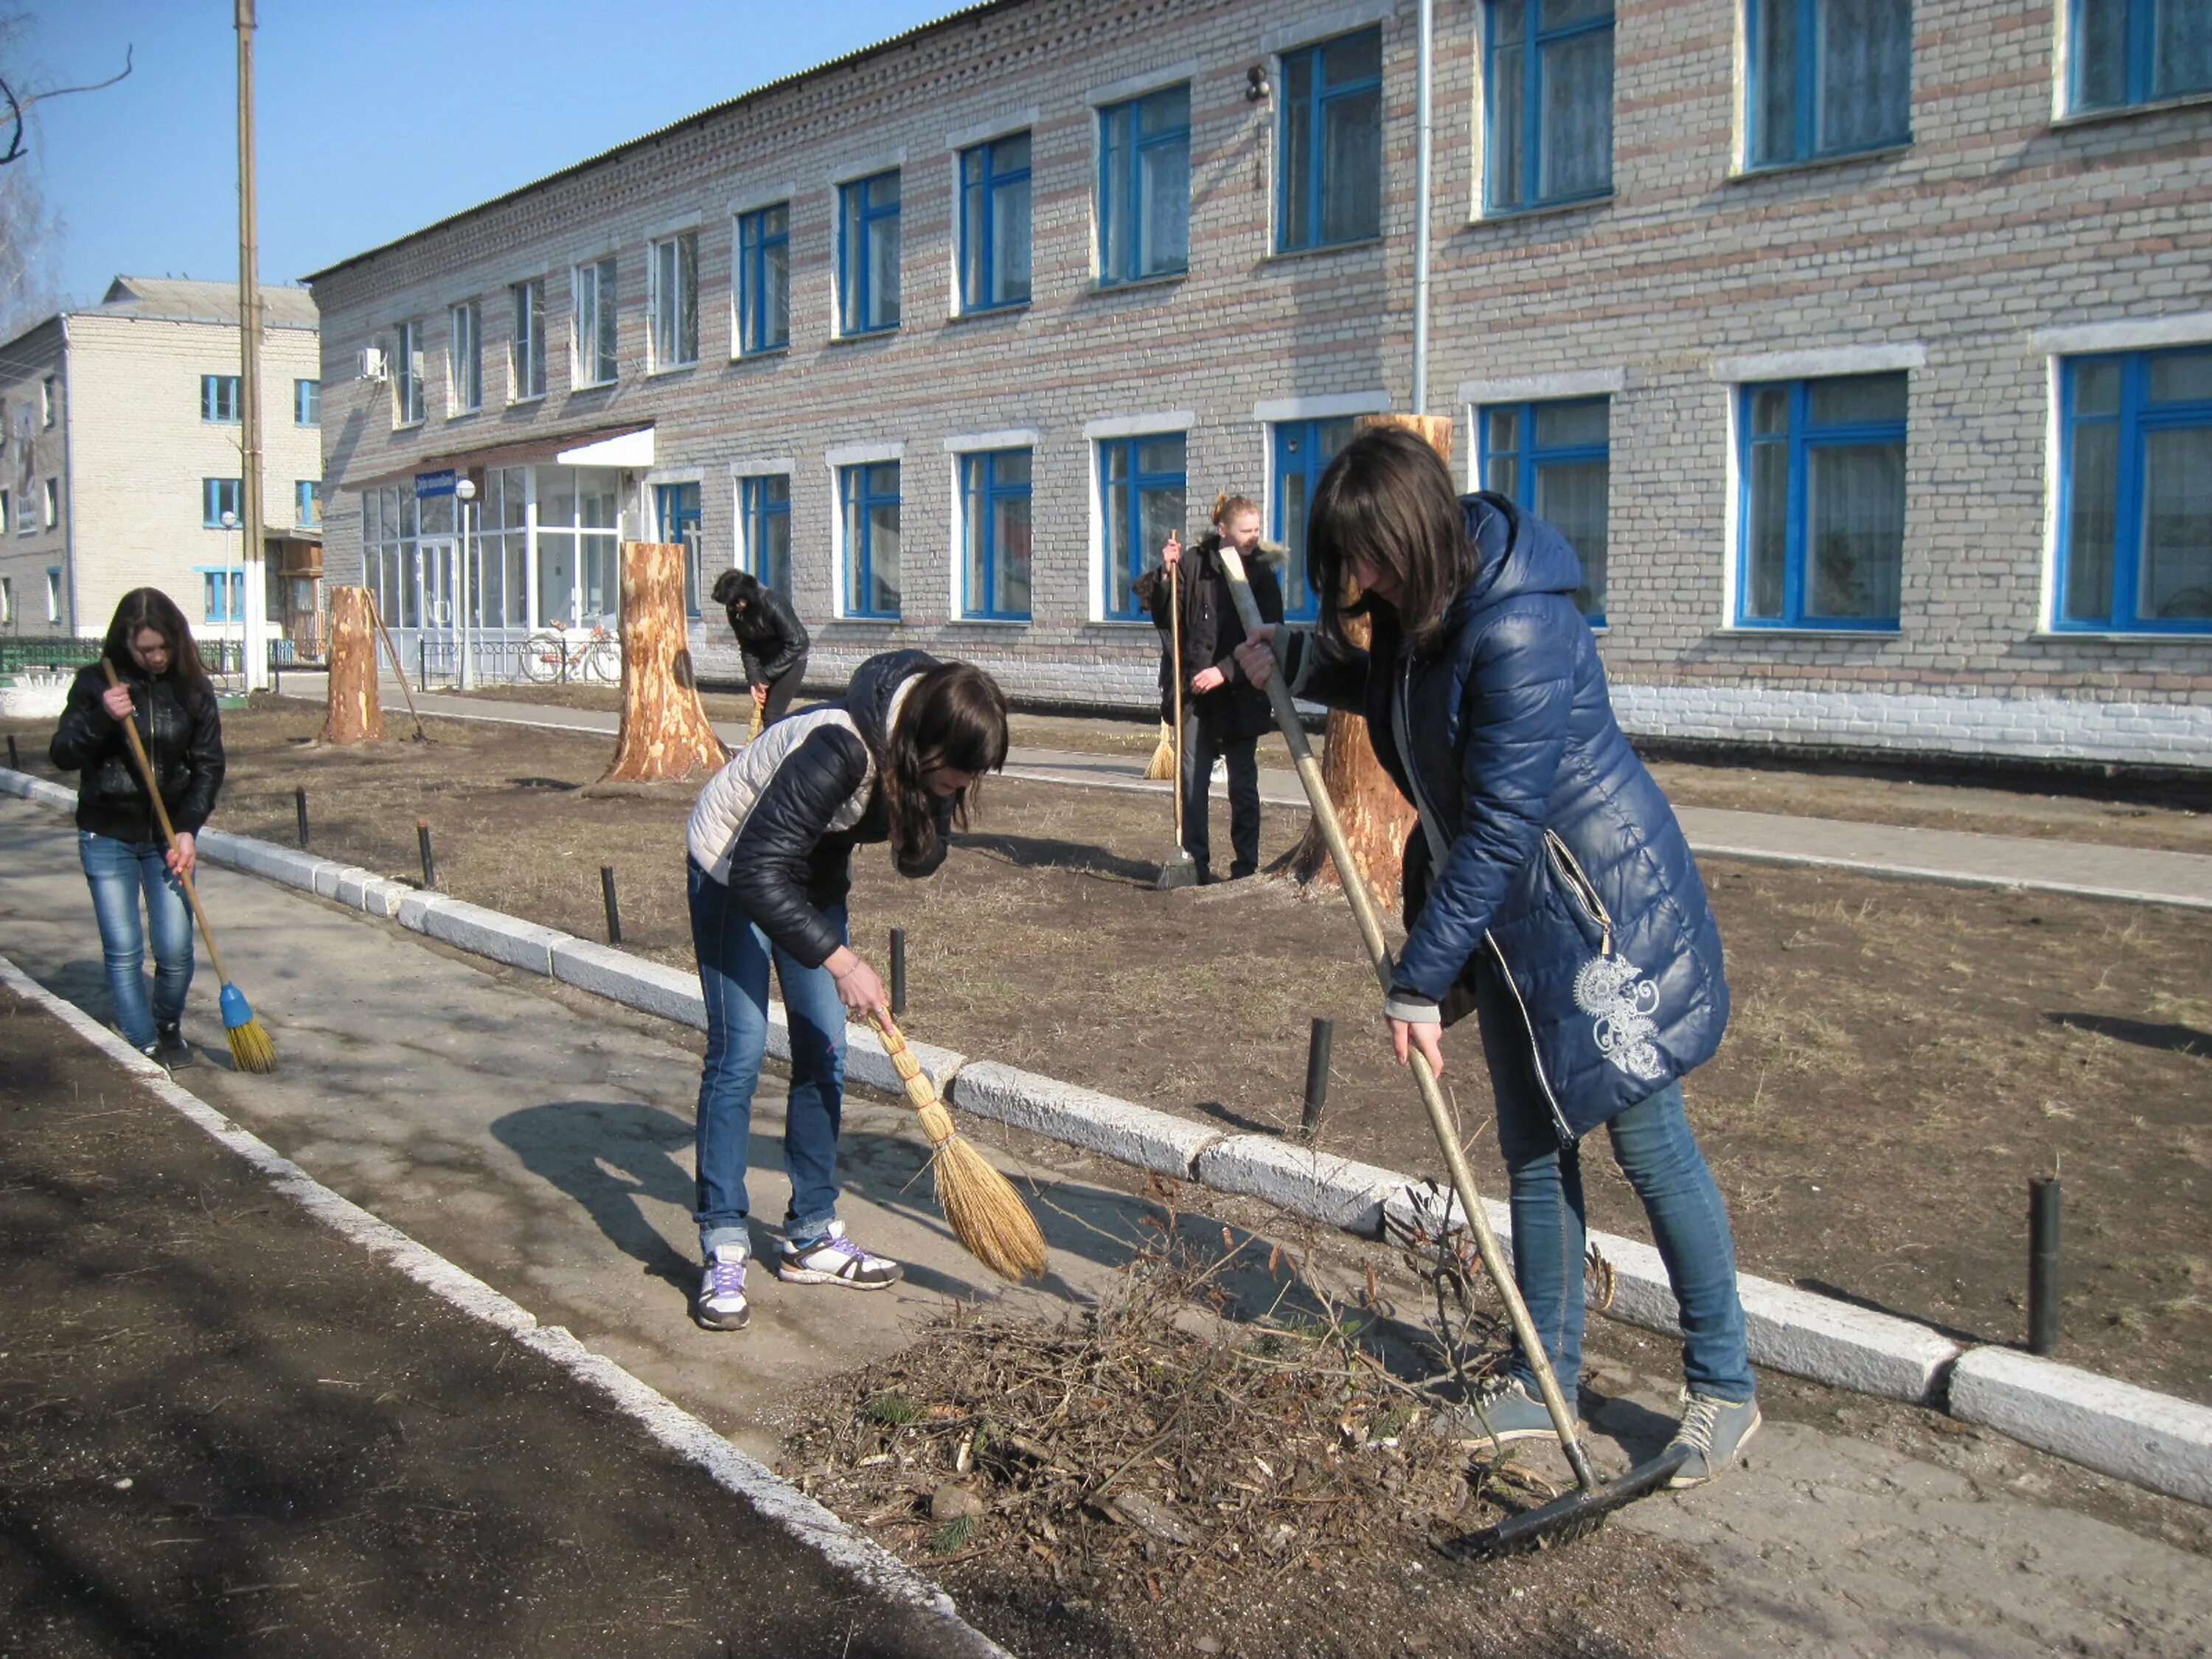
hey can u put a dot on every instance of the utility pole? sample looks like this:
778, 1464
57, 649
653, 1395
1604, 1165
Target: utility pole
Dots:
249, 334
1425, 74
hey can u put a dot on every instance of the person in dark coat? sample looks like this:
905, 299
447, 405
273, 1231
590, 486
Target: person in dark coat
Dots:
1225, 714
1548, 888
898, 758
165, 692
771, 639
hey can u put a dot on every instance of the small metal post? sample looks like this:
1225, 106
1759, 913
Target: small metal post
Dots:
1317, 1051
614, 905
429, 862
15, 761
2043, 1198
300, 800
898, 971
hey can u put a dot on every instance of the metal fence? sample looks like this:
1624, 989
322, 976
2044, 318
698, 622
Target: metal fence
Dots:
225, 658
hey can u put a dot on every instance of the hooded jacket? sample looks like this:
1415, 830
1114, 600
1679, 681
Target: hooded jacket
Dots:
178, 723
778, 824
1544, 845
1211, 632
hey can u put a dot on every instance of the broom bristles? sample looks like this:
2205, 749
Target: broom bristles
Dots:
251, 1050
1162, 764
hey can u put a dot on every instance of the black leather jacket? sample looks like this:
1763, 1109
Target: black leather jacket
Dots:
1211, 635
183, 734
770, 637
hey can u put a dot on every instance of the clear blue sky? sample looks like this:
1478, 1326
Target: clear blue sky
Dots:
375, 116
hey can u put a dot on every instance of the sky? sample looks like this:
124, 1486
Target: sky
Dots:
374, 117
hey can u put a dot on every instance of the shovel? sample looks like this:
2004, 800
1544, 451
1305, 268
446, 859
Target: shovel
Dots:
1580, 1511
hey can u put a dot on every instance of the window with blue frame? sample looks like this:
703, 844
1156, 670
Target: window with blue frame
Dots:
219, 496
307, 502
868, 254
1828, 77
1554, 459
1822, 509
222, 592
1301, 452
994, 498
994, 223
764, 505
1547, 83
2135, 521
307, 403
868, 495
677, 505
2137, 52
1144, 187
219, 398
764, 279
1141, 504
1330, 143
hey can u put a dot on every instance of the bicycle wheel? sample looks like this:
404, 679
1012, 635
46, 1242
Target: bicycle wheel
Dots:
603, 661
541, 658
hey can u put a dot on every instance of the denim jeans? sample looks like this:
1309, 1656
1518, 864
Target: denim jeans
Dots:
1199, 751
734, 955
119, 871
1659, 1155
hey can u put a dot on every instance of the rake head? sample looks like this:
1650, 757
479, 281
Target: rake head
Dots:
1577, 1515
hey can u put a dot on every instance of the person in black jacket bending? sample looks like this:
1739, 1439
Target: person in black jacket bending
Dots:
898, 758
771, 639
165, 690
1225, 714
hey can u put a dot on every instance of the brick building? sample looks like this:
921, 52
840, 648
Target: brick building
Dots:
121, 458
1863, 349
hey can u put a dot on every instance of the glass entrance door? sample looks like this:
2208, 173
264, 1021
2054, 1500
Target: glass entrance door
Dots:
679, 506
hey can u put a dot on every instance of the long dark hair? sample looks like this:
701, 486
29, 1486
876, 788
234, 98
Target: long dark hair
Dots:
1389, 499
149, 607
956, 716
735, 589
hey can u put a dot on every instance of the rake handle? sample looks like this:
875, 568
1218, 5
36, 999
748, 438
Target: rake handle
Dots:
399, 668
1432, 1098
168, 833
1175, 634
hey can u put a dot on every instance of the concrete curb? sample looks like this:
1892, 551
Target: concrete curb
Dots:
1337, 1191
648, 987
492, 933
2152, 1439
1125, 1132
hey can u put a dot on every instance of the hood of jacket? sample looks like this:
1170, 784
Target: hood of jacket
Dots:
872, 695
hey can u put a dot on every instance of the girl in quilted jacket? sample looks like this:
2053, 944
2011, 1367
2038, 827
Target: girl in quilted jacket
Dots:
1548, 890
898, 758
165, 692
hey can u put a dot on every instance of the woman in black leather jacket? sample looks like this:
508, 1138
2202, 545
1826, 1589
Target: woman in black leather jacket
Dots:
771, 639
898, 758
165, 690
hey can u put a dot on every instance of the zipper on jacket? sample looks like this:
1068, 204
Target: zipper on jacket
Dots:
1583, 888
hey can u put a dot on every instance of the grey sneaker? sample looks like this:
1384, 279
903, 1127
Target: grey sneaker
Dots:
171, 1049
834, 1258
1500, 1415
722, 1305
1716, 1431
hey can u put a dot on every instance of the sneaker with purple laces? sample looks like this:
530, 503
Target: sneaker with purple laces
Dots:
721, 1304
834, 1258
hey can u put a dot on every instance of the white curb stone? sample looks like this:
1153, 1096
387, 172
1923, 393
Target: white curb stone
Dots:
2152, 1439
219, 847
649, 987
60, 797
14, 783
1133, 1134
261, 858
1335, 1190
492, 933
415, 908
364, 890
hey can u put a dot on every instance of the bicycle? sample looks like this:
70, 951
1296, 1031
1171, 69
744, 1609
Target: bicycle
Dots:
557, 652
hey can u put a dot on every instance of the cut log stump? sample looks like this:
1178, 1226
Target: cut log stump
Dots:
666, 734
354, 716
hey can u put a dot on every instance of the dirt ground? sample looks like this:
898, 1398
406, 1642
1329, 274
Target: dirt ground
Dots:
1903, 1055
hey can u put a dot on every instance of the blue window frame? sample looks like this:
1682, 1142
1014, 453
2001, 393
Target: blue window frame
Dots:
217, 498
1330, 141
677, 505
765, 503
1141, 500
1822, 502
1554, 459
2135, 507
1144, 187
869, 497
1828, 77
219, 398
1547, 81
764, 279
222, 592
2137, 52
307, 502
307, 403
1303, 451
994, 223
994, 495
868, 254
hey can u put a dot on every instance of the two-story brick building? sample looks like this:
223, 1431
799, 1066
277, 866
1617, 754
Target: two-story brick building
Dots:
1864, 349
121, 460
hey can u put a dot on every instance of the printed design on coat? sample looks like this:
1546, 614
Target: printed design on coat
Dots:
1621, 1002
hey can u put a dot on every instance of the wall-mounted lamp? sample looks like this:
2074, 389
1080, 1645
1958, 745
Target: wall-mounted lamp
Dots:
1255, 85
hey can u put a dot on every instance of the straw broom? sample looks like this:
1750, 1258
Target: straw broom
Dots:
987, 1214
251, 1050
1162, 764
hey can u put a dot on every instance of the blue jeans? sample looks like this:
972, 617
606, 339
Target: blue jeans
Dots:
734, 955
119, 871
1659, 1155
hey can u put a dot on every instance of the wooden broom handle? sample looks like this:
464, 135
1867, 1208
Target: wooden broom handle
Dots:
1175, 633
161, 814
921, 1093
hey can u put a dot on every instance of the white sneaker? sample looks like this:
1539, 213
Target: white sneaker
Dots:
721, 1304
834, 1258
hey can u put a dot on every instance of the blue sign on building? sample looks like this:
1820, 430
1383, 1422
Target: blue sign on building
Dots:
433, 483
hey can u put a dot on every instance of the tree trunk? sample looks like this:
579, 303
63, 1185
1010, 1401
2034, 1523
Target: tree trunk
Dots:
1376, 817
666, 734
355, 716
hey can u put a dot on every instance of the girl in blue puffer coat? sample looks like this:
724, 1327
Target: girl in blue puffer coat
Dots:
1548, 889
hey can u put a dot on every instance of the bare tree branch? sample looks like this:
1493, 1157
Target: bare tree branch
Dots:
17, 106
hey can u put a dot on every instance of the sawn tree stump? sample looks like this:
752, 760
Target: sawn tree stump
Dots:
354, 716
666, 734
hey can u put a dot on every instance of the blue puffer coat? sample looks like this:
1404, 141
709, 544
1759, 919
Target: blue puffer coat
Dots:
1566, 865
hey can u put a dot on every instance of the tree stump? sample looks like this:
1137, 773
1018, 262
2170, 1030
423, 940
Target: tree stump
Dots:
1377, 818
666, 734
355, 716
